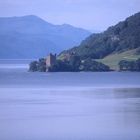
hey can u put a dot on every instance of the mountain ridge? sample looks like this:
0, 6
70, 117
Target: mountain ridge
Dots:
32, 37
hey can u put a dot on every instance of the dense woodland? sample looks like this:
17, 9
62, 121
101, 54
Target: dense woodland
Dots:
119, 38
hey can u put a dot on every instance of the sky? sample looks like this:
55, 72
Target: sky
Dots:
94, 15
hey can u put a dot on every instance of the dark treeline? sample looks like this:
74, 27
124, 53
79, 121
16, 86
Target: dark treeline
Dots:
75, 64
129, 65
39, 65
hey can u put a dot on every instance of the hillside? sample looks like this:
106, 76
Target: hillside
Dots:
112, 60
110, 46
32, 37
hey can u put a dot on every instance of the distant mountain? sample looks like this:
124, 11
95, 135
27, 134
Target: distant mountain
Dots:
32, 37
123, 37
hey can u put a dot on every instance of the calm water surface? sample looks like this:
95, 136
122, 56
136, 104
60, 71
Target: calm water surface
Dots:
68, 106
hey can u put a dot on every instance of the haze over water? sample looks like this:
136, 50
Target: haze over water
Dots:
68, 106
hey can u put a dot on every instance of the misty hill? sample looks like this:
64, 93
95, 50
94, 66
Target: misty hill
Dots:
111, 44
32, 37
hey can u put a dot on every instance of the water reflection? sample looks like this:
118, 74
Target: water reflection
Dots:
33, 107
127, 93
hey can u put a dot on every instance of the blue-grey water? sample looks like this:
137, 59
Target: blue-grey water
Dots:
68, 106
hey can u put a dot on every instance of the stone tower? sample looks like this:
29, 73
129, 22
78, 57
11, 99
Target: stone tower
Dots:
51, 60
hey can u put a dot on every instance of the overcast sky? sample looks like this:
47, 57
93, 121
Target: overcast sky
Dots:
88, 14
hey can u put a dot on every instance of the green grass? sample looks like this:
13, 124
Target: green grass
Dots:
113, 59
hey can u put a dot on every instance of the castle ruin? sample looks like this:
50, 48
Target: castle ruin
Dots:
50, 60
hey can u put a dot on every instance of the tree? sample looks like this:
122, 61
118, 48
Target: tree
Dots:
61, 66
75, 62
129, 65
33, 66
91, 65
42, 65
